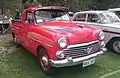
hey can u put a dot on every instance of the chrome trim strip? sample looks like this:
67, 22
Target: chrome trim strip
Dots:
40, 42
70, 62
15, 27
83, 44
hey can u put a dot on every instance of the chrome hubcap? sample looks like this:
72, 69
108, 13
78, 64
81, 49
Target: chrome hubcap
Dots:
44, 62
116, 46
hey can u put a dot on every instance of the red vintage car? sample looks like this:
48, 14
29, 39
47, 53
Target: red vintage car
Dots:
48, 34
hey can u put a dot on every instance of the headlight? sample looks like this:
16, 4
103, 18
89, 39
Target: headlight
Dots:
60, 54
62, 42
101, 36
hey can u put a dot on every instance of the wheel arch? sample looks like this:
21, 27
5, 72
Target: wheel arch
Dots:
114, 38
39, 48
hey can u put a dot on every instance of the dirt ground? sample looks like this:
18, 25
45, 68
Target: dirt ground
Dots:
5, 44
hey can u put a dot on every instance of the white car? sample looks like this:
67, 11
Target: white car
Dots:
108, 21
115, 10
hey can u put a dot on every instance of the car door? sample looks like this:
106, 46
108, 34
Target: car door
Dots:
26, 29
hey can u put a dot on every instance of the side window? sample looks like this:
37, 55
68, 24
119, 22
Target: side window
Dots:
80, 17
29, 18
93, 18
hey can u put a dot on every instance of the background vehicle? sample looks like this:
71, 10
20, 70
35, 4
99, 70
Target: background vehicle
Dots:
115, 10
4, 20
108, 21
56, 42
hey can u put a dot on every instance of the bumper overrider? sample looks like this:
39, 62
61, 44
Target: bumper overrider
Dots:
70, 62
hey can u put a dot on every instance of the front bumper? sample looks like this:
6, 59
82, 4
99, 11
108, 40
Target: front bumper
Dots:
70, 62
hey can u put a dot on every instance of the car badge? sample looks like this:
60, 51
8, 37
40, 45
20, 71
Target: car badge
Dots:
88, 50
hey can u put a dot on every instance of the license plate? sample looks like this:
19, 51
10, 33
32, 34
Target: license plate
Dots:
88, 62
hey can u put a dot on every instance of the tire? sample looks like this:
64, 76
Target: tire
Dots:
44, 61
114, 45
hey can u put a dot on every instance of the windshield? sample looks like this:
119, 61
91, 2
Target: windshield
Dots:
51, 15
118, 13
109, 17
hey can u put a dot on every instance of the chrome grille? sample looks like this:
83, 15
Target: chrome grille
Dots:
81, 51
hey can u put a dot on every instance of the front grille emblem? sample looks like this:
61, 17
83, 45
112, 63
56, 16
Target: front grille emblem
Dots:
88, 50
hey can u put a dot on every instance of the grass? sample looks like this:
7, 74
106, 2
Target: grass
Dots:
22, 64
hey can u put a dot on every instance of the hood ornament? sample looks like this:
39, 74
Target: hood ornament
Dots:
88, 50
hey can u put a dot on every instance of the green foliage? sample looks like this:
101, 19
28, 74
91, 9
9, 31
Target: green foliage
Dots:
73, 5
24, 1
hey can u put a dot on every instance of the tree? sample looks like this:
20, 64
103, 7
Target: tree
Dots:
28, 3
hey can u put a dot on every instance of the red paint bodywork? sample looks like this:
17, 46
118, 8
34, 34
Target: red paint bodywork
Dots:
46, 34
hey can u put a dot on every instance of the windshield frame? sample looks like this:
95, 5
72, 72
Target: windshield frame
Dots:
50, 10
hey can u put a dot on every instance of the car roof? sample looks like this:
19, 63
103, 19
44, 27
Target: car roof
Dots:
47, 7
95, 12
114, 9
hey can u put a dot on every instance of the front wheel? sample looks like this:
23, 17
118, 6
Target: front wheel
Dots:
114, 45
44, 61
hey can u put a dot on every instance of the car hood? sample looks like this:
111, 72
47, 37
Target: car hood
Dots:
75, 33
